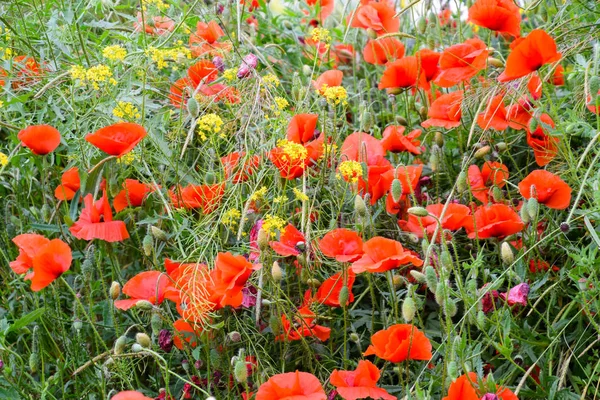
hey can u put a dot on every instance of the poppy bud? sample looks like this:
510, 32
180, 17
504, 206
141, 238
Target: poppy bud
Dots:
434, 162
431, 41
439, 138
359, 206
452, 370
594, 83
240, 372
115, 290
564, 227
144, 305
120, 345
263, 240
497, 194
307, 70
344, 295
193, 108
507, 254
440, 292
354, 337
142, 339
482, 152
418, 211
371, 33
401, 120
481, 319
431, 278
423, 112
147, 245
446, 259
275, 324
408, 309
156, 323
419, 277
46, 212
367, 120
524, 214
276, 272
424, 245
313, 282
461, 182
422, 24
34, 360
501, 147
396, 190
532, 208
159, 234
77, 325
450, 308
137, 348
533, 124
235, 336
494, 62
68, 221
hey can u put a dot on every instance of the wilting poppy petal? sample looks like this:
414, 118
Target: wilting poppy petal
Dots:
95, 222
301, 128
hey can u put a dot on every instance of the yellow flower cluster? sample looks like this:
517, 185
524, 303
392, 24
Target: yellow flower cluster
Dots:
280, 105
259, 194
230, 74
126, 111
350, 170
300, 195
114, 52
231, 217
335, 94
272, 224
209, 124
128, 158
159, 4
97, 74
329, 149
1, 104
162, 56
3, 159
271, 80
6, 51
280, 199
321, 35
292, 151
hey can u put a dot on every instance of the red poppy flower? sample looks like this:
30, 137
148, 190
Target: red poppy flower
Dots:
180, 91
429, 62
401, 74
118, 139
359, 143
233, 169
304, 326
147, 285
190, 290
453, 220
529, 54
301, 128
219, 92
395, 141
96, 222
382, 254
481, 181
445, 111
540, 266
378, 16
154, 25
184, 332
40, 139
288, 242
496, 220
292, 385
290, 167
547, 188
3, 74
495, 115
325, 7
409, 179
133, 195
519, 114
130, 395
591, 104
558, 76
360, 383
342, 53
206, 32
203, 71
342, 244
69, 184
329, 78
379, 180
534, 85
229, 277
545, 147
461, 62
497, 15
400, 342
205, 197
27, 70
466, 387
381, 51
41, 259
329, 291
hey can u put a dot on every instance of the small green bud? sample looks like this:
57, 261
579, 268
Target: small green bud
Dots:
115, 290
419, 277
371, 33
594, 83
396, 190
144, 305
193, 108
431, 278
210, 178
408, 309
240, 372
366, 119
142, 339
497, 194
276, 272
354, 337
34, 360
422, 24
481, 319
494, 62
439, 138
501, 147
434, 159
263, 240
159, 234
533, 124
77, 325
359, 206
524, 214
137, 348
275, 324
401, 120
147, 245
482, 152
418, 211
344, 296
120, 343
452, 370
461, 182
446, 259
156, 323
532, 208
508, 257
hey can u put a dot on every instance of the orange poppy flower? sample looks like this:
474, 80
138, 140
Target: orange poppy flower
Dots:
401, 74
342, 244
558, 76
481, 181
3, 74
130, 395
229, 277
69, 184
41, 259
147, 285
379, 180
329, 291
382, 254
301, 128
534, 85
395, 141
519, 114
158, 26
547, 188
180, 91
453, 220
289, 167
466, 387
304, 326
400, 342
206, 32
495, 115
219, 92
360, 143
27, 70
497, 15
545, 147
133, 194
233, 169
205, 197
496, 220
96, 222
118, 139
324, 7
342, 54
429, 62
203, 72
190, 290
461, 62
445, 111
378, 16
329, 78
292, 385
409, 178
381, 51
360, 383
591, 104
40, 139
529, 54
288, 242
184, 332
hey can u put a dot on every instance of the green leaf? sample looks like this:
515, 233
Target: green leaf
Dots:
26, 320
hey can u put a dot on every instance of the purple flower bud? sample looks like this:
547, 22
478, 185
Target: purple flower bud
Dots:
488, 301
218, 61
249, 296
1, 364
165, 340
489, 396
518, 294
248, 65
332, 395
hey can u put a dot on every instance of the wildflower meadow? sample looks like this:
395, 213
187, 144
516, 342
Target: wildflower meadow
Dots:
300, 200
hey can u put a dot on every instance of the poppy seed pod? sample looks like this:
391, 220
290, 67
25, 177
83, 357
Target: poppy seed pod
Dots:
142, 339
482, 152
119, 347
313, 282
419, 277
159, 234
423, 111
235, 336
193, 108
431, 278
532, 208
240, 372
418, 211
564, 227
147, 245
115, 290
408, 309
396, 190
276, 272
263, 240
359, 206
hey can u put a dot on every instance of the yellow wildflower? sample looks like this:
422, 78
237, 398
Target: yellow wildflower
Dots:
159, 4
335, 94
292, 151
162, 56
300, 195
114, 52
259, 194
231, 217
128, 158
271, 80
321, 35
350, 170
126, 111
209, 124
3, 159
272, 224
280, 199
230, 74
